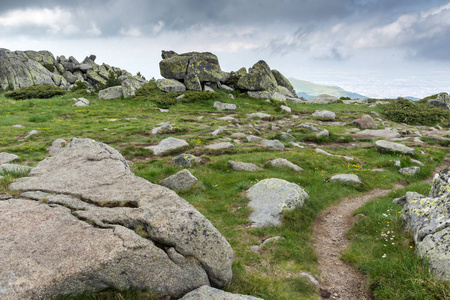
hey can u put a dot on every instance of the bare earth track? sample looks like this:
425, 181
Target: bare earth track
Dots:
337, 279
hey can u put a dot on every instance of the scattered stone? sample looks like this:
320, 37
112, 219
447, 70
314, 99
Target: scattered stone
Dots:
281, 162
347, 178
32, 132
390, 147
269, 198
100, 247
224, 106
227, 88
80, 102
241, 166
366, 122
318, 150
266, 242
310, 277
286, 108
57, 145
220, 146
207, 88
231, 96
209, 293
411, 171
186, 160
181, 96
163, 110
238, 135
227, 118
323, 133
18, 126
218, 131
324, 115
114, 92
167, 145
322, 99
297, 145
180, 181
417, 140
260, 95
170, 86
158, 129
383, 133
309, 126
259, 115
254, 139
272, 145
417, 162
7, 157
397, 163
285, 135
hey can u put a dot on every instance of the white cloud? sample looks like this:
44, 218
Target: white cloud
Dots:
158, 27
131, 32
94, 30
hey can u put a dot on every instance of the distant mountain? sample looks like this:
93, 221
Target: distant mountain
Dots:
307, 90
412, 98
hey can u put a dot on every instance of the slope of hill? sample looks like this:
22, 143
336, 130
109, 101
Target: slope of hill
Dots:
308, 90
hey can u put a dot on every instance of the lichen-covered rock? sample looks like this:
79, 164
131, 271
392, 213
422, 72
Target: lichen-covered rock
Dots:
192, 82
410, 171
180, 181
442, 101
390, 147
436, 248
441, 184
269, 198
113, 92
167, 145
346, 178
260, 94
285, 91
130, 85
170, 86
145, 236
224, 106
94, 77
185, 160
259, 78
284, 82
209, 293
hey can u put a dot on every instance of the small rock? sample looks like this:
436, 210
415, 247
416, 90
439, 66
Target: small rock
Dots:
241, 166
384, 133
281, 162
296, 145
180, 181
318, 150
266, 242
366, 122
259, 115
18, 126
208, 89
285, 135
7, 157
220, 146
156, 130
410, 171
227, 118
167, 145
385, 146
185, 160
226, 87
32, 132
397, 163
323, 133
272, 145
254, 139
218, 131
417, 162
166, 110
309, 126
286, 108
324, 115
224, 106
231, 96
81, 102
238, 135
347, 178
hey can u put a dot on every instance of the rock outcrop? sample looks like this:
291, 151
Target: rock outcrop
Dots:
97, 226
26, 68
442, 101
428, 220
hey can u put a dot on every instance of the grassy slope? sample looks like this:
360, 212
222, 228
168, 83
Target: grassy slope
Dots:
220, 195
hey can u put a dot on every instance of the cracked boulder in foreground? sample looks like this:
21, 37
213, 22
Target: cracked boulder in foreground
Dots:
96, 226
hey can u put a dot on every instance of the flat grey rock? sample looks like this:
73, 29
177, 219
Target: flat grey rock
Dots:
254, 139
167, 145
181, 181
224, 106
410, 171
365, 122
380, 133
281, 162
241, 166
269, 198
209, 293
259, 115
436, 248
220, 146
272, 145
170, 86
7, 157
309, 126
318, 150
347, 178
325, 115
391, 147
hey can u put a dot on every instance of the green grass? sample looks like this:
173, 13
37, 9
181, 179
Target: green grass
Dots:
126, 125
386, 253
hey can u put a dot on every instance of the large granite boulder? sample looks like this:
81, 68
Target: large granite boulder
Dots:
98, 226
170, 86
442, 101
428, 220
131, 84
259, 78
203, 64
269, 198
113, 92
284, 82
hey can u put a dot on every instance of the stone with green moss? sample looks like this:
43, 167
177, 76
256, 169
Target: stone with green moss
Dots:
170, 86
192, 82
174, 67
92, 75
206, 66
283, 81
259, 78
436, 248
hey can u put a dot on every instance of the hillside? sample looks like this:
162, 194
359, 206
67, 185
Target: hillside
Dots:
307, 89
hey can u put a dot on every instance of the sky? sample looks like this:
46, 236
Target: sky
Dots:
377, 48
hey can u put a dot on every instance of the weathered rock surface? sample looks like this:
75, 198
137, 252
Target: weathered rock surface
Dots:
281, 162
272, 145
442, 101
57, 145
258, 78
179, 249
259, 115
284, 82
220, 146
185, 160
242, 166
347, 178
167, 145
390, 147
322, 99
170, 86
192, 82
318, 150
80, 102
224, 106
366, 122
208, 293
428, 220
325, 115
181, 181
7, 157
269, 198
383, 133
113, 92
410, 171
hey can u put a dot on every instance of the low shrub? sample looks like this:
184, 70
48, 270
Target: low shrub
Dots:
414, 113
44, 91
192, 96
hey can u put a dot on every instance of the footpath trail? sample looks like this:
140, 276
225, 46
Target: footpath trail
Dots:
337, 279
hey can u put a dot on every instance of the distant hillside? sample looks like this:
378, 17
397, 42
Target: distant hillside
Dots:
308, 90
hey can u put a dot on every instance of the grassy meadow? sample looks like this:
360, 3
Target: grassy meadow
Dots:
273, 271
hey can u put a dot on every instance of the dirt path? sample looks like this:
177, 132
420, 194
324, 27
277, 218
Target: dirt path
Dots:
337, 279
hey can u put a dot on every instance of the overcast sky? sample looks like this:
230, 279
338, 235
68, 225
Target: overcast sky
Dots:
379, 48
